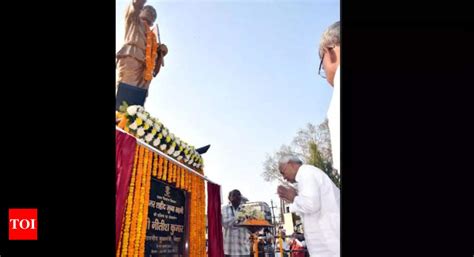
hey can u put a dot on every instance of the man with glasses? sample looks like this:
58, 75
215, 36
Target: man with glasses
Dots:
329, 53
316, 200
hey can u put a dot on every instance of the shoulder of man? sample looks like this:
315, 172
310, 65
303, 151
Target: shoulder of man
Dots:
311, 169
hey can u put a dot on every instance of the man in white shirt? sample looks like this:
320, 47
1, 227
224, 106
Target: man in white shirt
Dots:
316, 201
329, 53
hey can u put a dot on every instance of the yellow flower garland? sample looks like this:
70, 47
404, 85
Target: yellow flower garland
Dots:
136, 201
128, 211
141, 202
146, 199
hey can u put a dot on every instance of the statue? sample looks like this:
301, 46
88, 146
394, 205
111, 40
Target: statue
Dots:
141, 56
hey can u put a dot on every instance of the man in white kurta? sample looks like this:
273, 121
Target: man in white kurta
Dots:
329, 68
334, 123
316, 201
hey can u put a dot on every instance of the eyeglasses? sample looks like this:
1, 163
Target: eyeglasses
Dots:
321, 71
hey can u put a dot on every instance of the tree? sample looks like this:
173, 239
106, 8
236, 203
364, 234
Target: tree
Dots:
312, 144
323, 164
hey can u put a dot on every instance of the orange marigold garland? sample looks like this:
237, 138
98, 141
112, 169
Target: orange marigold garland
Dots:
170, 171
143, 205
165, 169
190, 180
151, 53
123, 120
178, 177
136, 201
128, 210
146, 199
175, 172
198, 217
155, 164
141, 201
183, 172
160, 167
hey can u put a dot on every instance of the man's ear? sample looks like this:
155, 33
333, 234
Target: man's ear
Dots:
332, 55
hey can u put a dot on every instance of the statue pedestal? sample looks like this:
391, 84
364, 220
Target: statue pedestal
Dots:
130, 94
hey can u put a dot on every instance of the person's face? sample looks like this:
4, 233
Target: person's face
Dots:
147, 17
288, 171
235, 199
329, 63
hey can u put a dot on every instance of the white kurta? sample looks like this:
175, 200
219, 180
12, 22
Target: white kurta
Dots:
334, 122
318, 205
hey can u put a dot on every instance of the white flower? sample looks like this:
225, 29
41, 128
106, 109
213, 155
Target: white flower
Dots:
141, 116
170, 151
157, 127
165, 132
179, 158
149, 122
162, 147
176, 153
156, 142
133, 126
172, 136
190, 161
140, 132
132, 110
146, 115
148, 137
140, 108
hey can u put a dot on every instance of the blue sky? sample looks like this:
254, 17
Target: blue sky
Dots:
241, 76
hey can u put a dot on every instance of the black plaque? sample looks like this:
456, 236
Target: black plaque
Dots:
165, 234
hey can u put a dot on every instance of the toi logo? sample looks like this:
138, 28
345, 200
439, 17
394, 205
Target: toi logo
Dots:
22, 224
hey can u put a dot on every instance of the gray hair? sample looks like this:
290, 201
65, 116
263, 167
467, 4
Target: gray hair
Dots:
331, 37
290, 158
152, 11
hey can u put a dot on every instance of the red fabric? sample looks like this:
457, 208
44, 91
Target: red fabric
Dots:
295, 246
214, 219
124, 154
